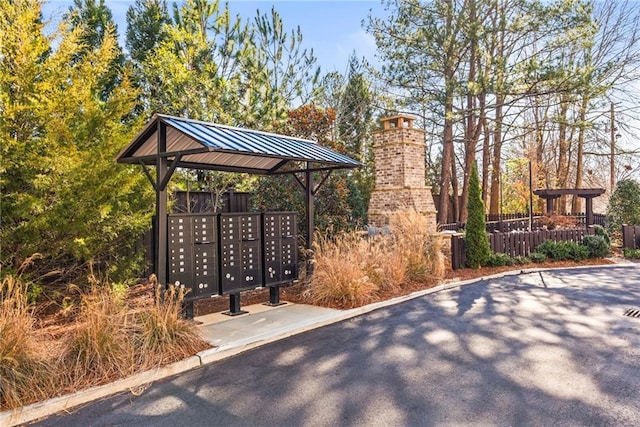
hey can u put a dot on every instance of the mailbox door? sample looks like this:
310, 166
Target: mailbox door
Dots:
250, 230
205, 280
251, 264
272, 249
287, 225
271, 226
229, 228
289, 259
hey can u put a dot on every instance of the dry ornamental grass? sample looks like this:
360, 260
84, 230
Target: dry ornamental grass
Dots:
351, 270
111, 337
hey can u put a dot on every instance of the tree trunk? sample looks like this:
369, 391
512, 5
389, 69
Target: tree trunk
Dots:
562, 171
447, 154
455, 190
494, 199
472, 130
486, 161
576, 206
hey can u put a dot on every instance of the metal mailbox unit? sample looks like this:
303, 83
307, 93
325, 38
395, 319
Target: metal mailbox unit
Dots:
193, 253
280, 252
240, 256
280, 248
224, 254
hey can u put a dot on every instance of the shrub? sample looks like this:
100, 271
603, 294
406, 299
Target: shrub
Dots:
632, 253
498, 260
537, 257
561, 251
476, 243
422, 251
554, 221
521, 260
597, 246
624, 206
599, 230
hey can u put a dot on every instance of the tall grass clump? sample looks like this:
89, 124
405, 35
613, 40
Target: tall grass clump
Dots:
101, 345
351, 270
24, 374
422, 250
163, 332
340, 271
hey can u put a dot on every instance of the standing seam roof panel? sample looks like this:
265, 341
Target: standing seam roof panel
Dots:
258, 143
226, 134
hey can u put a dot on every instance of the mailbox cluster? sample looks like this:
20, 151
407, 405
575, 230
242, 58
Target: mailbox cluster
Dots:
228, 253
280, 248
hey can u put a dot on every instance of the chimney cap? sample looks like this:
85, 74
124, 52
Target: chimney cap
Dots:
398, 121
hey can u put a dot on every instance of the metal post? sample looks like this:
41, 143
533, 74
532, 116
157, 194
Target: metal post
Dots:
500, 225
161, 206
274, 297
612, 171
530, 197
234, 306
310, 217
310, 206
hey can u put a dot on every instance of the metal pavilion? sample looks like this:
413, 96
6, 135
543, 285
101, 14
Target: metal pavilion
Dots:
168, 142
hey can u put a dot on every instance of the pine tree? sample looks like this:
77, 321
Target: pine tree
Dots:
476, 243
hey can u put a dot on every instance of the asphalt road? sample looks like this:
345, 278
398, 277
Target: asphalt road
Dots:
537, 349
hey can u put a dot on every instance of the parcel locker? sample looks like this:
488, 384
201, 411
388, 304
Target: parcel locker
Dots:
241, 252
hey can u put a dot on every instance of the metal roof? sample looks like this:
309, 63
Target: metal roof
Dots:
201, 145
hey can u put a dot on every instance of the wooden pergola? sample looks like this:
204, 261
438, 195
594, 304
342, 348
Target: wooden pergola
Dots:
550, 195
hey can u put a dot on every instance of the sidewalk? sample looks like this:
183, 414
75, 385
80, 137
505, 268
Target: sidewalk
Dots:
229, 336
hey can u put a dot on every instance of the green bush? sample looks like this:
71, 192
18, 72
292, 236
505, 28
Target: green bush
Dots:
476, 242
632, 253
562, 251
624, 206
600, 231
597, 246
498, 260
537, 257
521, 260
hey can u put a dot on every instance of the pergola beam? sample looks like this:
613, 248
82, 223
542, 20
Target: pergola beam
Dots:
550, 195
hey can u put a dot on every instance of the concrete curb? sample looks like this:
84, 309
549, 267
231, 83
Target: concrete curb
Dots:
141, 381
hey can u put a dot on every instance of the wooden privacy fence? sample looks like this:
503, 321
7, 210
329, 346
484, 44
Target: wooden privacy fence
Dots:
630, 236
520, 222
518, 243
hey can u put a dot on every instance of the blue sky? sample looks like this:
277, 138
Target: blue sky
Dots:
332, 28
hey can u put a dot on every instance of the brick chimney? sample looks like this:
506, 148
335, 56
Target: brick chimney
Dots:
400, 185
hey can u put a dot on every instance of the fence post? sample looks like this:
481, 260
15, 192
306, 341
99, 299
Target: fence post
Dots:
457, 252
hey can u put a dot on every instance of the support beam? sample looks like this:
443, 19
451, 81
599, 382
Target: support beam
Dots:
162, 170
309, 193
589, 212
322, 181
